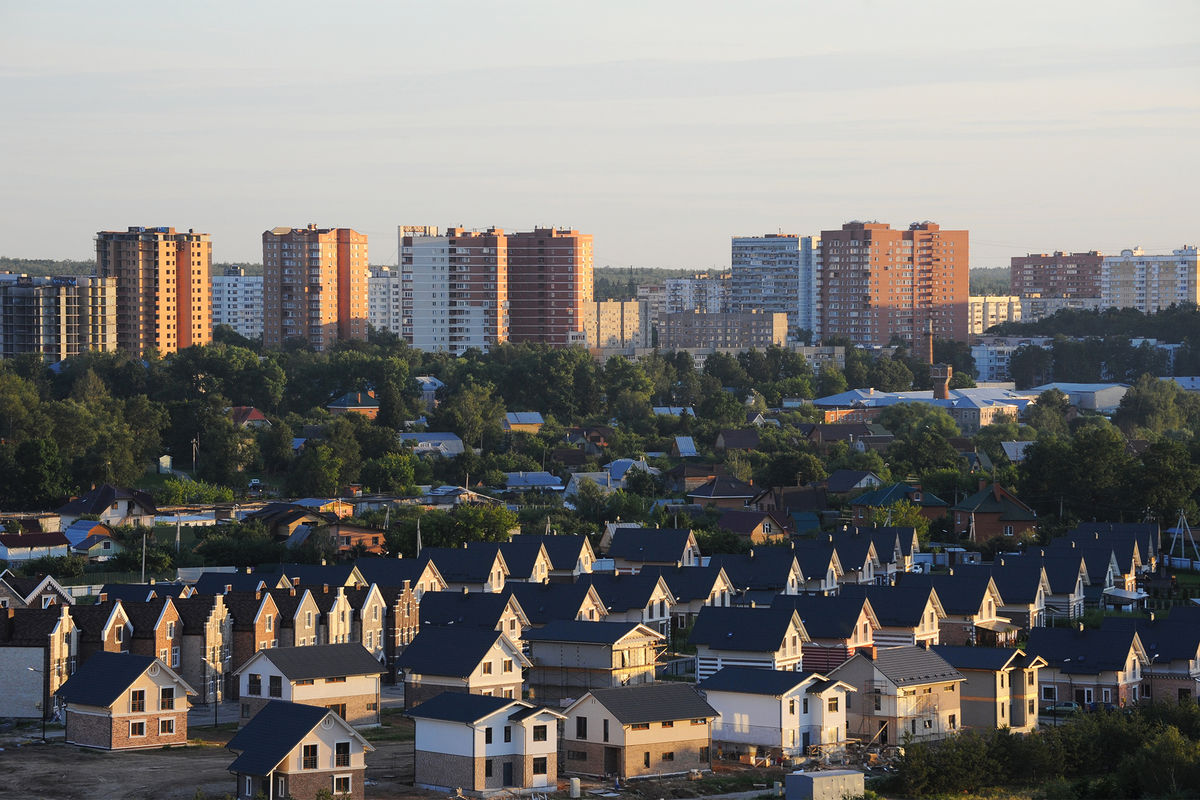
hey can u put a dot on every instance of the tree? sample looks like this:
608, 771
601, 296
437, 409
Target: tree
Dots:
315, 473
907, 421
473, 411
901, 514
1030, 366
390, 473
830, 381
890, 375
1048, 415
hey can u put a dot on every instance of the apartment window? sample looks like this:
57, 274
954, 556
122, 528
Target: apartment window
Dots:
508, 733
276, 685
539, 733
137, 700
341, 784
166, 727
341, 754
309, 757
487, 768
254, 684
307, 619
487, 735
832, 705
166, 698
137, 729
539, 765
668, 756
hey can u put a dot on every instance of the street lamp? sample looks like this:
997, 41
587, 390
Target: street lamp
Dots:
41, 704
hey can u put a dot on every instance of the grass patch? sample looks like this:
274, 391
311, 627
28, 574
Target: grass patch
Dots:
395, 727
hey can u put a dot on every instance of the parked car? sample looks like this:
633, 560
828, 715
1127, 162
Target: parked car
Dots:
255, 484
1065, 707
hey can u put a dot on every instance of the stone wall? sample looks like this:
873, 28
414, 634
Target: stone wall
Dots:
446, 771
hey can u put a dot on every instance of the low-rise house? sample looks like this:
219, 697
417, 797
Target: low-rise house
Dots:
297, 621
638, 732
121, 701
112, 506
19, 547
859, 560
908, 615
403, 621
368, 619
732, 439
476, 570
341, 677
635, 548
820, 566
157, 630
296, 750
1173, 648
1001, 688
336, 614
904, 693
895, 548
757, 527
688, 476
694, 588
643, 598
517, 482
38, 652
103, 628
207, 645
768, 570
255, 627
1023, 584
357, 539
421, 574
723, 491
684, 447
1141, 539
763, 638
775, 713
838, 627
572, 657
972, 604
570, 556
494, 612
1102, 574
993, 511
98, 546
248, 417
522, 422
223, 582
484, 746
143, 592
876, 502
434, 445
364, 403
1067, 575
39, 591
844, 481
461, 659
285, 520
792, 500
543, 603
1102, 667
526, 561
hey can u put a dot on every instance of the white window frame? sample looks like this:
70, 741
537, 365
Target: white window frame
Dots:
133, 735
166, 722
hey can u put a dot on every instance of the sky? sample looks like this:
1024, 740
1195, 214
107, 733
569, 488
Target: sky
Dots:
662, 128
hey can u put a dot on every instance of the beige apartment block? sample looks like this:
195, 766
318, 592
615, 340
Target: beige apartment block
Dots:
988, 310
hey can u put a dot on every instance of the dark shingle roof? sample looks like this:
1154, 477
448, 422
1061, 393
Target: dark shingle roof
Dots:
746, 629
723, 486
895, 492
894, 606
103, 678
271, 734
996, 500
649, 544
584, 632
323, 661
688, 583
991, 658
744, 521
1171, 639
845, 480
519, 557
564, 551
905, 666
215, 582
460, 565
472, 609
762, 568
446, 651
390, 571
90, 620
747, 680
622, 592
960, 593
144, 616
194, 612
824, 617
543, 602
653, 702
31, 626
459, 707
308, 574
1084, 652
103, 497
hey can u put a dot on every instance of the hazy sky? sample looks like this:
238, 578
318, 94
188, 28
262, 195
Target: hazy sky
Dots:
662, 128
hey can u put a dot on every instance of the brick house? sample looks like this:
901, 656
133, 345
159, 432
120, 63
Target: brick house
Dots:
207, 646
103, 628
402, 619
298, 621
867, 504
638, 732
1104, 667
368, 620
992, 511
294, 750
341, 677
336, 613
484, 745
466, 660
157, 630
38, 651
122, 701
255, 627
36, 592
421, 574
838, 627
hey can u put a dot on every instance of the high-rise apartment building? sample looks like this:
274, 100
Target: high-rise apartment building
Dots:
455, 288
1056, 274
752, 330
314, 285
614, 324
776, 274
57, 317
875, 283
987, 310
385, 300
1148, 282
163, 287
237, 301
705, 292
549, 285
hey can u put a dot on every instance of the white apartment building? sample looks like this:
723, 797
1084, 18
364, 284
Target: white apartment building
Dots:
1150, 283
993, 353
984, 311
703, 292
385, 300
776, 274
237, 301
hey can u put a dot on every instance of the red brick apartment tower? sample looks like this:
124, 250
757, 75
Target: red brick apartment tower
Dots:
1056, 274
549, 285
314, 285
875, 283
164, 291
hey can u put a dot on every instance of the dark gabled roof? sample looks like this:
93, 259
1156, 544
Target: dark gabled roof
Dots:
215, 582
454, 651
1096, 557
744, 521
472, 609
244, 606
1171, 639
905, 666
885, 539
989, 658
30, 626
747, 680
960, 593
460, 565
1084, 652
562, 630
459, 707
90, 620
519, 557
544, 602
688, 583
271, 734
1062, 568
390, 571
895, 492
833, 617
354, 400
103, 497
288, 601
894, 606
760, 630
194, 612
103, 678
735, 439
762, 568
653, 702
994, 499
690, 469
323, 661
1146, 534
846, 480
649, 545
564, 551
1017, 579
145, 615
308, 574
814, 557
853, 550
23, 586
723, 486
622, 592
275, 514
15, 541
794, 499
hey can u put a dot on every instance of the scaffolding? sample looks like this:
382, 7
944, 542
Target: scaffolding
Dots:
887, 719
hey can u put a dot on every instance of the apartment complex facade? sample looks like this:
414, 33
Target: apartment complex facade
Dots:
385, 300
1057, 274
705, 292
314, 285
740, 331
875, 283
615, 324
549, 285
237, 301
57, 317
988, 310
775, 273
164, 290
1150, 283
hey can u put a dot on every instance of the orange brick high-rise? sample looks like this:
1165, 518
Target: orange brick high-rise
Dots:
875, 283
549, 285
314, 285
164, 292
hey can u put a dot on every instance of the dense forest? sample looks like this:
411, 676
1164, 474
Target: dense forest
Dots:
990, 280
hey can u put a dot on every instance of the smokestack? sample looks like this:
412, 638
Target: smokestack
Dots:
939, 375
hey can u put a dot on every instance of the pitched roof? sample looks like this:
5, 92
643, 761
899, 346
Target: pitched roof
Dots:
519, 557
129, 592
544, 602
894, 606
895, 492
744, 521
354, 400
990, 658
194, 612
686, 446
103, 678
653, 702
16, 541
905, 666
647, 545
215, 582
688, 583
390, 571
832, 617
761, 568
846, 480
274, 732
739, 439
31, 626
103, 497
460, 707
740, 628
322, 661
144, 615
724, 487
584, 632
747, 680
564, 551
522, 480
90, 620
960, 593
995, 499
622, 592
461, 565
309, 574
524, 418
1082, 652
1170, 639
454, 651
243, 415
470, 609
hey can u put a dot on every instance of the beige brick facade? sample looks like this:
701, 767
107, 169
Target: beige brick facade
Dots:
302, 785
445, 771
685, 756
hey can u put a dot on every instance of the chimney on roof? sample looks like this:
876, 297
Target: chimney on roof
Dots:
1079, 627
247, 570
103, 597
258, 594
466, 590
939, 375
228, 588
325, 588
322, 562
292, 591
295, 581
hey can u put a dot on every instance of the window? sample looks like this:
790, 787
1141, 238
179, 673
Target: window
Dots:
1048, 693
305, 682
792, 706
1031, 707
507, 665
166, 698
928, 723
487, 735
487, 768
341, 784
581, 727
646, 759
174, 656
804, 706
487, 668
309, 757
640, 726
137, 700
336, 680
668, 756
338, 708
539, 766
307, 619
954, 720
668, 723
245, 711
508, 733
878, 701
170, 630
270, 622
254, 684
166, 727
341, 754
539, 733
604, 729
137, 729
576, 755
1029, 679
832, 705
276, 685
